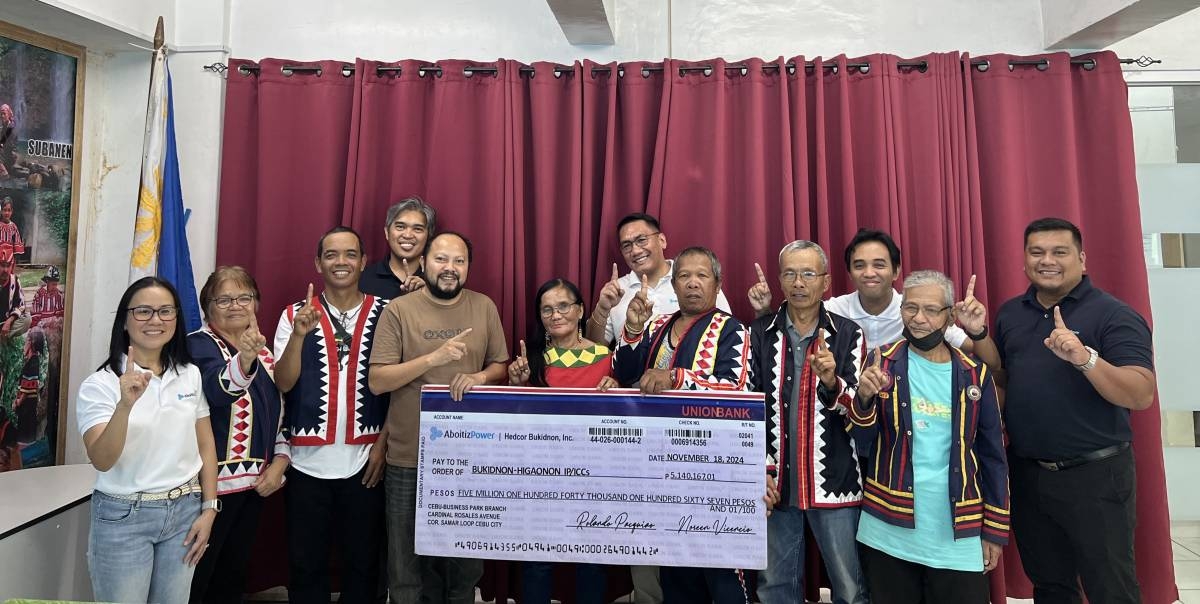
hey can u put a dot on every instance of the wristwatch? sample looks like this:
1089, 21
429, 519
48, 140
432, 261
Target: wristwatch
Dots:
211, 504
1091, 362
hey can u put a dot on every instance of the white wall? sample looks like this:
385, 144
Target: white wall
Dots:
1174, 42
526, 30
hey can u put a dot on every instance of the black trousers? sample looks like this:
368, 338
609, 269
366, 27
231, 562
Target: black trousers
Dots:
220, 576
684, 585
320, 512
1076, 525
891, 580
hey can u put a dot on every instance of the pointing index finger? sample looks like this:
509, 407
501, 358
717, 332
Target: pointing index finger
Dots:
821, 343
761, 277
404, 263
645, 287
970, 288
129, 360
878, 362
616, 276
1058, 320
523, 352
462, 334
308, 298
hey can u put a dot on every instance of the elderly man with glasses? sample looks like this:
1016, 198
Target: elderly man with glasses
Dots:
806, 361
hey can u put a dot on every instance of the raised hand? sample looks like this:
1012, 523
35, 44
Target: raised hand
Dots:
454, 349
873, 379
972, 314
760, 293
133, 381
412, 282
823, 363
249, 343
309, 315
1064, 343
640, 309
611, 293
518, 370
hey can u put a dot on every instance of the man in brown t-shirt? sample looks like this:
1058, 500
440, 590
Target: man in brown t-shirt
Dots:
443, 334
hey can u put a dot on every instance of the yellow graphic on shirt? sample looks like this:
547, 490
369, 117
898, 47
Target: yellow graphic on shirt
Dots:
936, 409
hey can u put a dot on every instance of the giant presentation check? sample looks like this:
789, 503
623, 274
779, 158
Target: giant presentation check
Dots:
583, 476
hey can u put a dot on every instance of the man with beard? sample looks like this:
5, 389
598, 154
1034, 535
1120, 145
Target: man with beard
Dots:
322, 345
410, 223
443, 334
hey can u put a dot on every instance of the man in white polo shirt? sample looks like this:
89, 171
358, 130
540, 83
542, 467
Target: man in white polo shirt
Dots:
642, 244
873, 261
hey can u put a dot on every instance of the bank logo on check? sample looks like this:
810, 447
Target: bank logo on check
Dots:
435, 433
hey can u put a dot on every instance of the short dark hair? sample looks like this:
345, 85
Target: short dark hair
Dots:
636, 216
1054, 224
470, 248
871, 235
335, 230
174, 353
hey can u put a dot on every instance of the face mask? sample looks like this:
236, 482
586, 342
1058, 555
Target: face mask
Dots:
927, 342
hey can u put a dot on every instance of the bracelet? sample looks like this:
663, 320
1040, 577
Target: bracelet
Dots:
632, 333
978, 337
599, 322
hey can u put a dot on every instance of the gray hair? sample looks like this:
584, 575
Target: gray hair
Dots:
800, 245
697, 251
413, 203
929, 277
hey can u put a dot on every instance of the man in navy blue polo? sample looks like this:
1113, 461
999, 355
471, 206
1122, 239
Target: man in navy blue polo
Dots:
1075, 361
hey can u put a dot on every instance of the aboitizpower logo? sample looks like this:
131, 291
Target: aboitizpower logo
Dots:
436, 433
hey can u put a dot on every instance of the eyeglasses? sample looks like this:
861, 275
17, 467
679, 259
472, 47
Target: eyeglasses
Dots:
641, 241
225, 302
911, 310
145, 313
561, 308
790, 276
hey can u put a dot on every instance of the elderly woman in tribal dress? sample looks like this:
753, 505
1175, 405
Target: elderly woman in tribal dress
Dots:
252, 451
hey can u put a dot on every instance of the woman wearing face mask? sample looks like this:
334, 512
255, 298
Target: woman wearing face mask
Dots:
144, 421
558, 356
237, 370
936, 486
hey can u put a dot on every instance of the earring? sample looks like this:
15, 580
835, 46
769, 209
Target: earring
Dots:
579, 334
547, 339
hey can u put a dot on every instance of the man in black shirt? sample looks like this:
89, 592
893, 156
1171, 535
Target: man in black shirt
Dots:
410, 223
1075, 361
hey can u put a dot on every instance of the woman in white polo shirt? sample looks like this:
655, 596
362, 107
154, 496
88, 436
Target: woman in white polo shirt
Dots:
144, 421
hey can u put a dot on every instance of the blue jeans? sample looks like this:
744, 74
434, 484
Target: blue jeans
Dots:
537, 578
835, 531
135, 548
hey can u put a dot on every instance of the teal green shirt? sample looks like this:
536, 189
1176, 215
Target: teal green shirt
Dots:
931, 542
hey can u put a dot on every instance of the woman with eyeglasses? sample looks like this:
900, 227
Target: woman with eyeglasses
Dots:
144, 421
558, 356
236, 368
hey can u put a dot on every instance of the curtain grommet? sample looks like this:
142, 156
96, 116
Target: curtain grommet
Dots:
983, 66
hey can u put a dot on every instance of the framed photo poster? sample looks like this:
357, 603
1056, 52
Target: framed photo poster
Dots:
41, 100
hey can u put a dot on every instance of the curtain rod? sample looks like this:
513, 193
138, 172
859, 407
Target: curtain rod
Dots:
863, 67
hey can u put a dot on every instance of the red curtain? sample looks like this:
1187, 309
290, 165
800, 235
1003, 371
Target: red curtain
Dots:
537, 163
